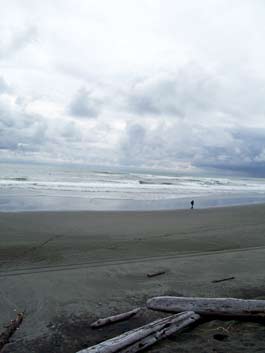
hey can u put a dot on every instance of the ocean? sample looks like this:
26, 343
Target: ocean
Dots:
29, 187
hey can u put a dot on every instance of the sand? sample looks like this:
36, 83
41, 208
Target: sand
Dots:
66, 269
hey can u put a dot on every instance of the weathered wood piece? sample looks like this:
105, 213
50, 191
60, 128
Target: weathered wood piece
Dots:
10, 330
161, 334
114, 318
209, 306
142, 337
223, 279
156, 274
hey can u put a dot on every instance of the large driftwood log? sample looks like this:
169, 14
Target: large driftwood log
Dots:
142, 337
115, 318
160, 334
209, 306
10, 330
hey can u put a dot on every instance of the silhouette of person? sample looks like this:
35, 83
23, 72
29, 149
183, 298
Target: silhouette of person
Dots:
192, 204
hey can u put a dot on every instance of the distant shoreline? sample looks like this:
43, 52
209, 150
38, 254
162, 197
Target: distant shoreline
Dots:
132, 211
21, 202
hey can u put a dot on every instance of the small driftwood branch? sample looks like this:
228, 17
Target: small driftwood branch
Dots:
223, 279
10, 330
156, 274
142, 337
209, 306
115, 318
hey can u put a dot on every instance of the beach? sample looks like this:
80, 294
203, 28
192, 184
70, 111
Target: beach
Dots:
65, 269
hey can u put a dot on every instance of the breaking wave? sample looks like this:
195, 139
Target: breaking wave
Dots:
123, 186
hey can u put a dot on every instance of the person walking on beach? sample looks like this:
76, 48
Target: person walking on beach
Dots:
192, 204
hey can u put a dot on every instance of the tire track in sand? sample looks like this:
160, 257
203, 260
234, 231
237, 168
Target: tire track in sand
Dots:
115, 262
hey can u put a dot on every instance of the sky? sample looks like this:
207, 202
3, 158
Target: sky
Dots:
140, 83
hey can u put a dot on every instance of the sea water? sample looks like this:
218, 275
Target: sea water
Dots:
28, 187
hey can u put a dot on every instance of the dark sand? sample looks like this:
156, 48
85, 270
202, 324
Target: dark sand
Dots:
65, 269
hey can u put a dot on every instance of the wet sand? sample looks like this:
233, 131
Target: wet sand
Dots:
65, 269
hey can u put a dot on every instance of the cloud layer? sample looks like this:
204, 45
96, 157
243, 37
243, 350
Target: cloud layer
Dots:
149, 84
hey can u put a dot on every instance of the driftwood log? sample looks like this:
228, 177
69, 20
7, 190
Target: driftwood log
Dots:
223, 279
162, 333
10, 330
142, 337
209, 306
156, 274
115, 318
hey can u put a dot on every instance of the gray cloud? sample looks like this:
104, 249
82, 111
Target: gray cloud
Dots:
195, 93
177, 94
190, 145
133, 145
16, 39
27, 135
4, 87
84, 105
161, 146
245, 153
20, 131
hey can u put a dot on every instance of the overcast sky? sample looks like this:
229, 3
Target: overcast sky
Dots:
146, 83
